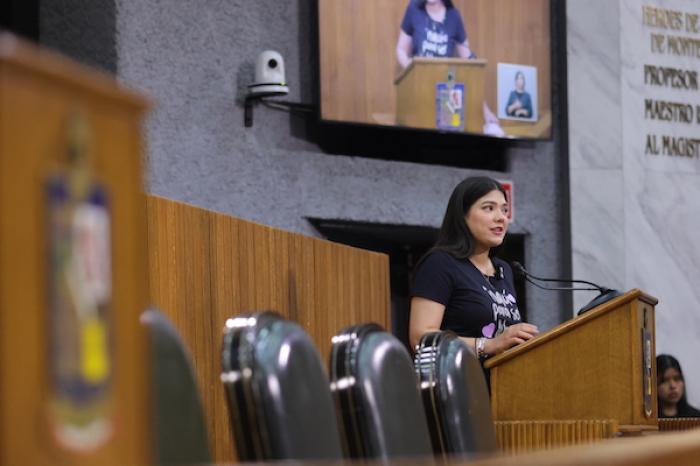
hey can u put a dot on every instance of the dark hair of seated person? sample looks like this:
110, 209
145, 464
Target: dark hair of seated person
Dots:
671, 389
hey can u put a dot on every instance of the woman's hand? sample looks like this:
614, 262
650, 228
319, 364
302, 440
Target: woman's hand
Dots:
514, 107
404, 49
511, 336
522, 112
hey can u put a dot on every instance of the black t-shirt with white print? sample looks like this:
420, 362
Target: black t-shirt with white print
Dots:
475, 305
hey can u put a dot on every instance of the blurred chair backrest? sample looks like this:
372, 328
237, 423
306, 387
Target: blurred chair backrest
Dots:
178, 418
455, 396
277, 391
376, 395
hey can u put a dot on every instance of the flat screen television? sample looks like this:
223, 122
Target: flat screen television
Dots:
474, 67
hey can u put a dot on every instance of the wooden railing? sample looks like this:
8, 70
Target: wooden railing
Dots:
524, 436
677, 449
678, 424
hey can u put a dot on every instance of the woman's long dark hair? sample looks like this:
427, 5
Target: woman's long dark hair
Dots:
448, 4
664, 362
454, 236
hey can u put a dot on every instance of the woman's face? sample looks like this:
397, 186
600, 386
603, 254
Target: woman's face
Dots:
487, 220
520, 82
671, 386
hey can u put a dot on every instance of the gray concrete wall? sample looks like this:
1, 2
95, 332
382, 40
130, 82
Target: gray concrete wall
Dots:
194, 59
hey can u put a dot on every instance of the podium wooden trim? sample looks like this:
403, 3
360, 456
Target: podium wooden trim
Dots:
20, 56
416, 85
41, 93
437, 61
590, 367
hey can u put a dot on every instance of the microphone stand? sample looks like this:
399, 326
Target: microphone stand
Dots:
606, 294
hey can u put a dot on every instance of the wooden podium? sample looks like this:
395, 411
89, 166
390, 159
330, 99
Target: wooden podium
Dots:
600, 365
416, 89
73, 270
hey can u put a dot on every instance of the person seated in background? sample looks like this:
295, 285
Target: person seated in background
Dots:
671, 389
519, 102
431, 28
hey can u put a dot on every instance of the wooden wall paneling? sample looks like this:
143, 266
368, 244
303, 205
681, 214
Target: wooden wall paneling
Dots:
226, 269
370, 291
356, 71
360, 78
261, 267
280, 299
375, 293
383, 68
343, 311
350, 276
326, 297
302, 280
503, 42
329, 16
381, 296
179, 253
247, 273
337, 87
226, 291
255, 274
361, 264
184, 233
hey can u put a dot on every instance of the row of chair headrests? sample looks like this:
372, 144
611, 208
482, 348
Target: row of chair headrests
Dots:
282, 405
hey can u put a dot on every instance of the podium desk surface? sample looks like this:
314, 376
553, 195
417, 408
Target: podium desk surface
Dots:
438, 61
570, 325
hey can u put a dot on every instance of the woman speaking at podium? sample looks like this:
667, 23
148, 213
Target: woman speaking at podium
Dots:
459, 286
431, 28
434, 28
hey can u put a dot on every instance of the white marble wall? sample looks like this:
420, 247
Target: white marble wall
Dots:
595, 145
635, 216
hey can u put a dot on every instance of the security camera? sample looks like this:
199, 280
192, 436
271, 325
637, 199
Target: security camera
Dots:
269, 75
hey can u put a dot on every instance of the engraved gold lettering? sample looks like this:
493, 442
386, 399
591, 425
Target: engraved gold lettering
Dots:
670, 77
662, 18
662, 110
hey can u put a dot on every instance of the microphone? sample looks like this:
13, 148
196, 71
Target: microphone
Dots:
606, 294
